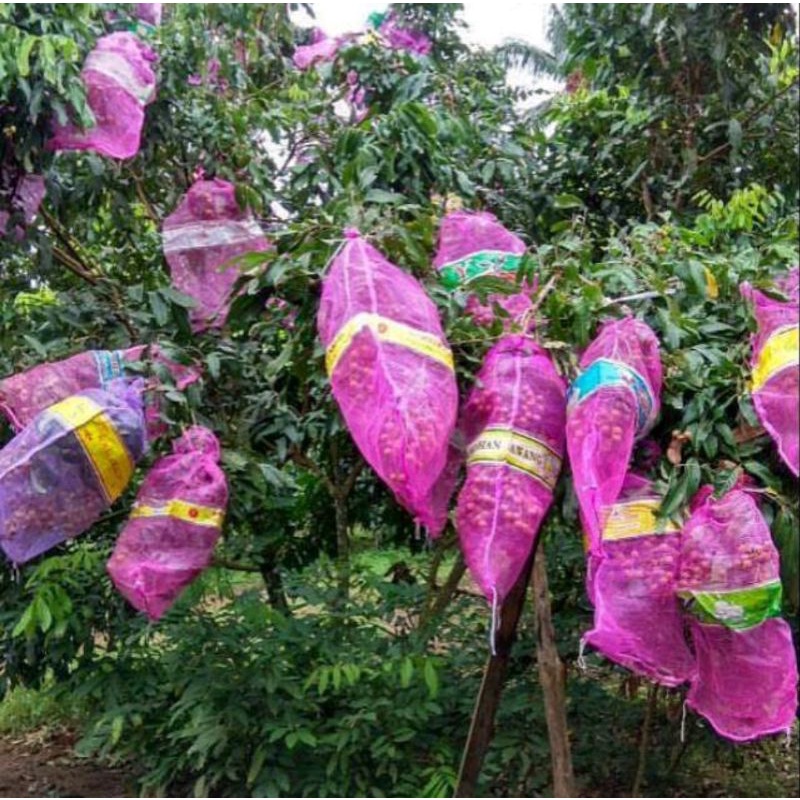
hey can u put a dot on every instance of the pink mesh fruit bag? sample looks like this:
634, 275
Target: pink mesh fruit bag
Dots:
25, 200
473, 244
120, 82
200, 237
776, 365
746, 679
25, 394
638, 621
174, 525
513, 423
321, 48
614, 401
391, 371
67, 467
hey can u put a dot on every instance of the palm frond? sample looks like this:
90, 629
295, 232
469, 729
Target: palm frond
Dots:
516, 54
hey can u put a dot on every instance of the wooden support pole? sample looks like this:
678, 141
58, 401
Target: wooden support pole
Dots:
481, 729
552, 677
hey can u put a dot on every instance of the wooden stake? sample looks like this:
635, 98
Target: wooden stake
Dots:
481, 729
552, 677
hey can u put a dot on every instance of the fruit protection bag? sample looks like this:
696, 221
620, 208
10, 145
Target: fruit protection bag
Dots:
391, 371
25, 200
67, 467
613, 402
321, 48
24, 395
200, 237
776, 368
174, 525
149, 13
400, 38
638, 621
473, 244
120, 82
746, 679
513, 422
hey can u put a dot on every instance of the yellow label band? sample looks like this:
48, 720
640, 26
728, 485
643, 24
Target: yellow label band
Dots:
99, 439
387, 330
186, 512
637, 518
779, 352
498, 445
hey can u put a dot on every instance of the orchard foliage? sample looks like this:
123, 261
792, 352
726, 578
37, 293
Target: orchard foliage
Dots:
659, 179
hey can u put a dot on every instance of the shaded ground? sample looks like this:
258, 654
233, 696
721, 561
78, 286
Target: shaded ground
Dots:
44, 765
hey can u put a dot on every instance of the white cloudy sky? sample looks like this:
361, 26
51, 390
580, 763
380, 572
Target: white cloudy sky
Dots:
489, 23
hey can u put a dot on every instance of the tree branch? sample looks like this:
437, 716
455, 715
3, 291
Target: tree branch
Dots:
224, 563
749, 118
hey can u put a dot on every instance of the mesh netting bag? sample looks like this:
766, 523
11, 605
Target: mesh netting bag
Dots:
174, 525
320, 49
200, 237
746, 680
473, 244
776, 366
638, 621
391, 371
513, 423
443, 489
148, 12
67, 467
120, 82
400, 38
24, 395
614, 401
24, 201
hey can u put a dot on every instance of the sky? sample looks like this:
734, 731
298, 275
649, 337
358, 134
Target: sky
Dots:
489, 24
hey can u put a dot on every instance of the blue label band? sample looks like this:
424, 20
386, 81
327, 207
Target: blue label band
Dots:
606, 373
109, 365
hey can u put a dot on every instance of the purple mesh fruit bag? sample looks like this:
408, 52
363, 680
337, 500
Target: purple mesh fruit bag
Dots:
120, 82
473, 244
174, 525
746, 679
399, 38
321, 48
200, 237
613, 402
67, 467
776, 365
25, 200
391, 371
24, 395
638, 621
149, 13
513, 423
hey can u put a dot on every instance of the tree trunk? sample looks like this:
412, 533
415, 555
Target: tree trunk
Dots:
274, 585
342, 549
552, 677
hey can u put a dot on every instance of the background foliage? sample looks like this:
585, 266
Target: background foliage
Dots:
315, 659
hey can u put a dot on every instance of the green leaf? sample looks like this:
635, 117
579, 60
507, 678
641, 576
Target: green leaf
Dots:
431, 678
735, 133
24, 55
406, 672
381, 196
567, 201
255, 765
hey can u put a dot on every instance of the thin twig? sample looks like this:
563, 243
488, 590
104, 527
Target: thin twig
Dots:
640, 296
234, 565
751, 116
652, 696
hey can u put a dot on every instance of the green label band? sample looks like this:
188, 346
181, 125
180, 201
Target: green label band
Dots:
484, 262
738, 609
